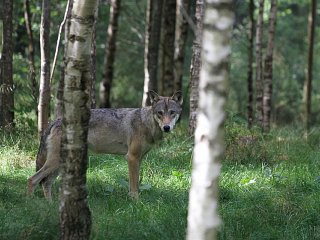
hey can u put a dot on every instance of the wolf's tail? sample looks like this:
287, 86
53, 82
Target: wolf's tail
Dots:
42, 151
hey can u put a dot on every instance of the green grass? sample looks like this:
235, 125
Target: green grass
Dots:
269, 189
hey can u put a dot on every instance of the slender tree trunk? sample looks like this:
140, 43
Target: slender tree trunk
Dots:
1, 76
195, 68
6, 88
308, 79
75, 216
1, 24
180, 41
93, 63
105, 86
259, 65
58, 41
66, 26
151, 49
250, 63
161, 51
203, 218
267, 92
44, 91
34, 85
168, 31
58, 105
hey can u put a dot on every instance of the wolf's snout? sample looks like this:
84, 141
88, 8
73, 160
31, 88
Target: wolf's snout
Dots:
166, 128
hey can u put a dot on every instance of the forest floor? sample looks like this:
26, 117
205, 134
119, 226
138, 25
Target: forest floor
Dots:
269, 189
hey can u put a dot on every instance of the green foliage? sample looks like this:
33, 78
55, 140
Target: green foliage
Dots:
290, 62
128, 76
25, 104
128, 79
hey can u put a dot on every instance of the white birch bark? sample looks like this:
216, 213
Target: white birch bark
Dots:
203, 218
44, 86
75, 217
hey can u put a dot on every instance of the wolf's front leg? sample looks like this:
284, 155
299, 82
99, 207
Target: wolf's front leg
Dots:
134, 169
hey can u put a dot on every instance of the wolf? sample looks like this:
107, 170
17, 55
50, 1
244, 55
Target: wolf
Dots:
125, 131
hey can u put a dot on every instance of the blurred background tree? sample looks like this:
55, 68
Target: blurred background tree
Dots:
111, 46
6, 68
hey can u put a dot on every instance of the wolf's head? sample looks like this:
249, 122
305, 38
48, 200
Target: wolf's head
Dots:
166, 110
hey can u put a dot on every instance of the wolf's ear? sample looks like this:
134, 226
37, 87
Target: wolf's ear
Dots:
153, 96
177, 96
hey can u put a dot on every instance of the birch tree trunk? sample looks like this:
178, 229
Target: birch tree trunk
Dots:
195, 68
75, 216
181, 35
203, 218
259, 65
250, 114
168, 32
151, 48
105, 86
44, 91
267, 92
308, 79
6, 87
27, 19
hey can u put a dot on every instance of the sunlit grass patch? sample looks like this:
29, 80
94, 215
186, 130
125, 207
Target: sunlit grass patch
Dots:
269, 188
13, 158
17, 150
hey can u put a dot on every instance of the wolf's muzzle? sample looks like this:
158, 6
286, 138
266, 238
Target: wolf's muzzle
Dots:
166, 128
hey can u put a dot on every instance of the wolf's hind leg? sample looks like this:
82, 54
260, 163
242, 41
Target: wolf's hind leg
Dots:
47, 184
34, 180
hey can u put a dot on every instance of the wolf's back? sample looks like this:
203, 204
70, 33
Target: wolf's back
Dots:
42, 151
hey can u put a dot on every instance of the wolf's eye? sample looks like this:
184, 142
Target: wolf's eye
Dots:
160, 113
172, 112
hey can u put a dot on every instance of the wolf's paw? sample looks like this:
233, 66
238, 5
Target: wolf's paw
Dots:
30, 188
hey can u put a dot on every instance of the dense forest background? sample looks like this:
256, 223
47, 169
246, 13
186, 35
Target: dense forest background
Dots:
289, 60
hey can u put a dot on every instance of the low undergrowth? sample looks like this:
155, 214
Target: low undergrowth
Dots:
269, 189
